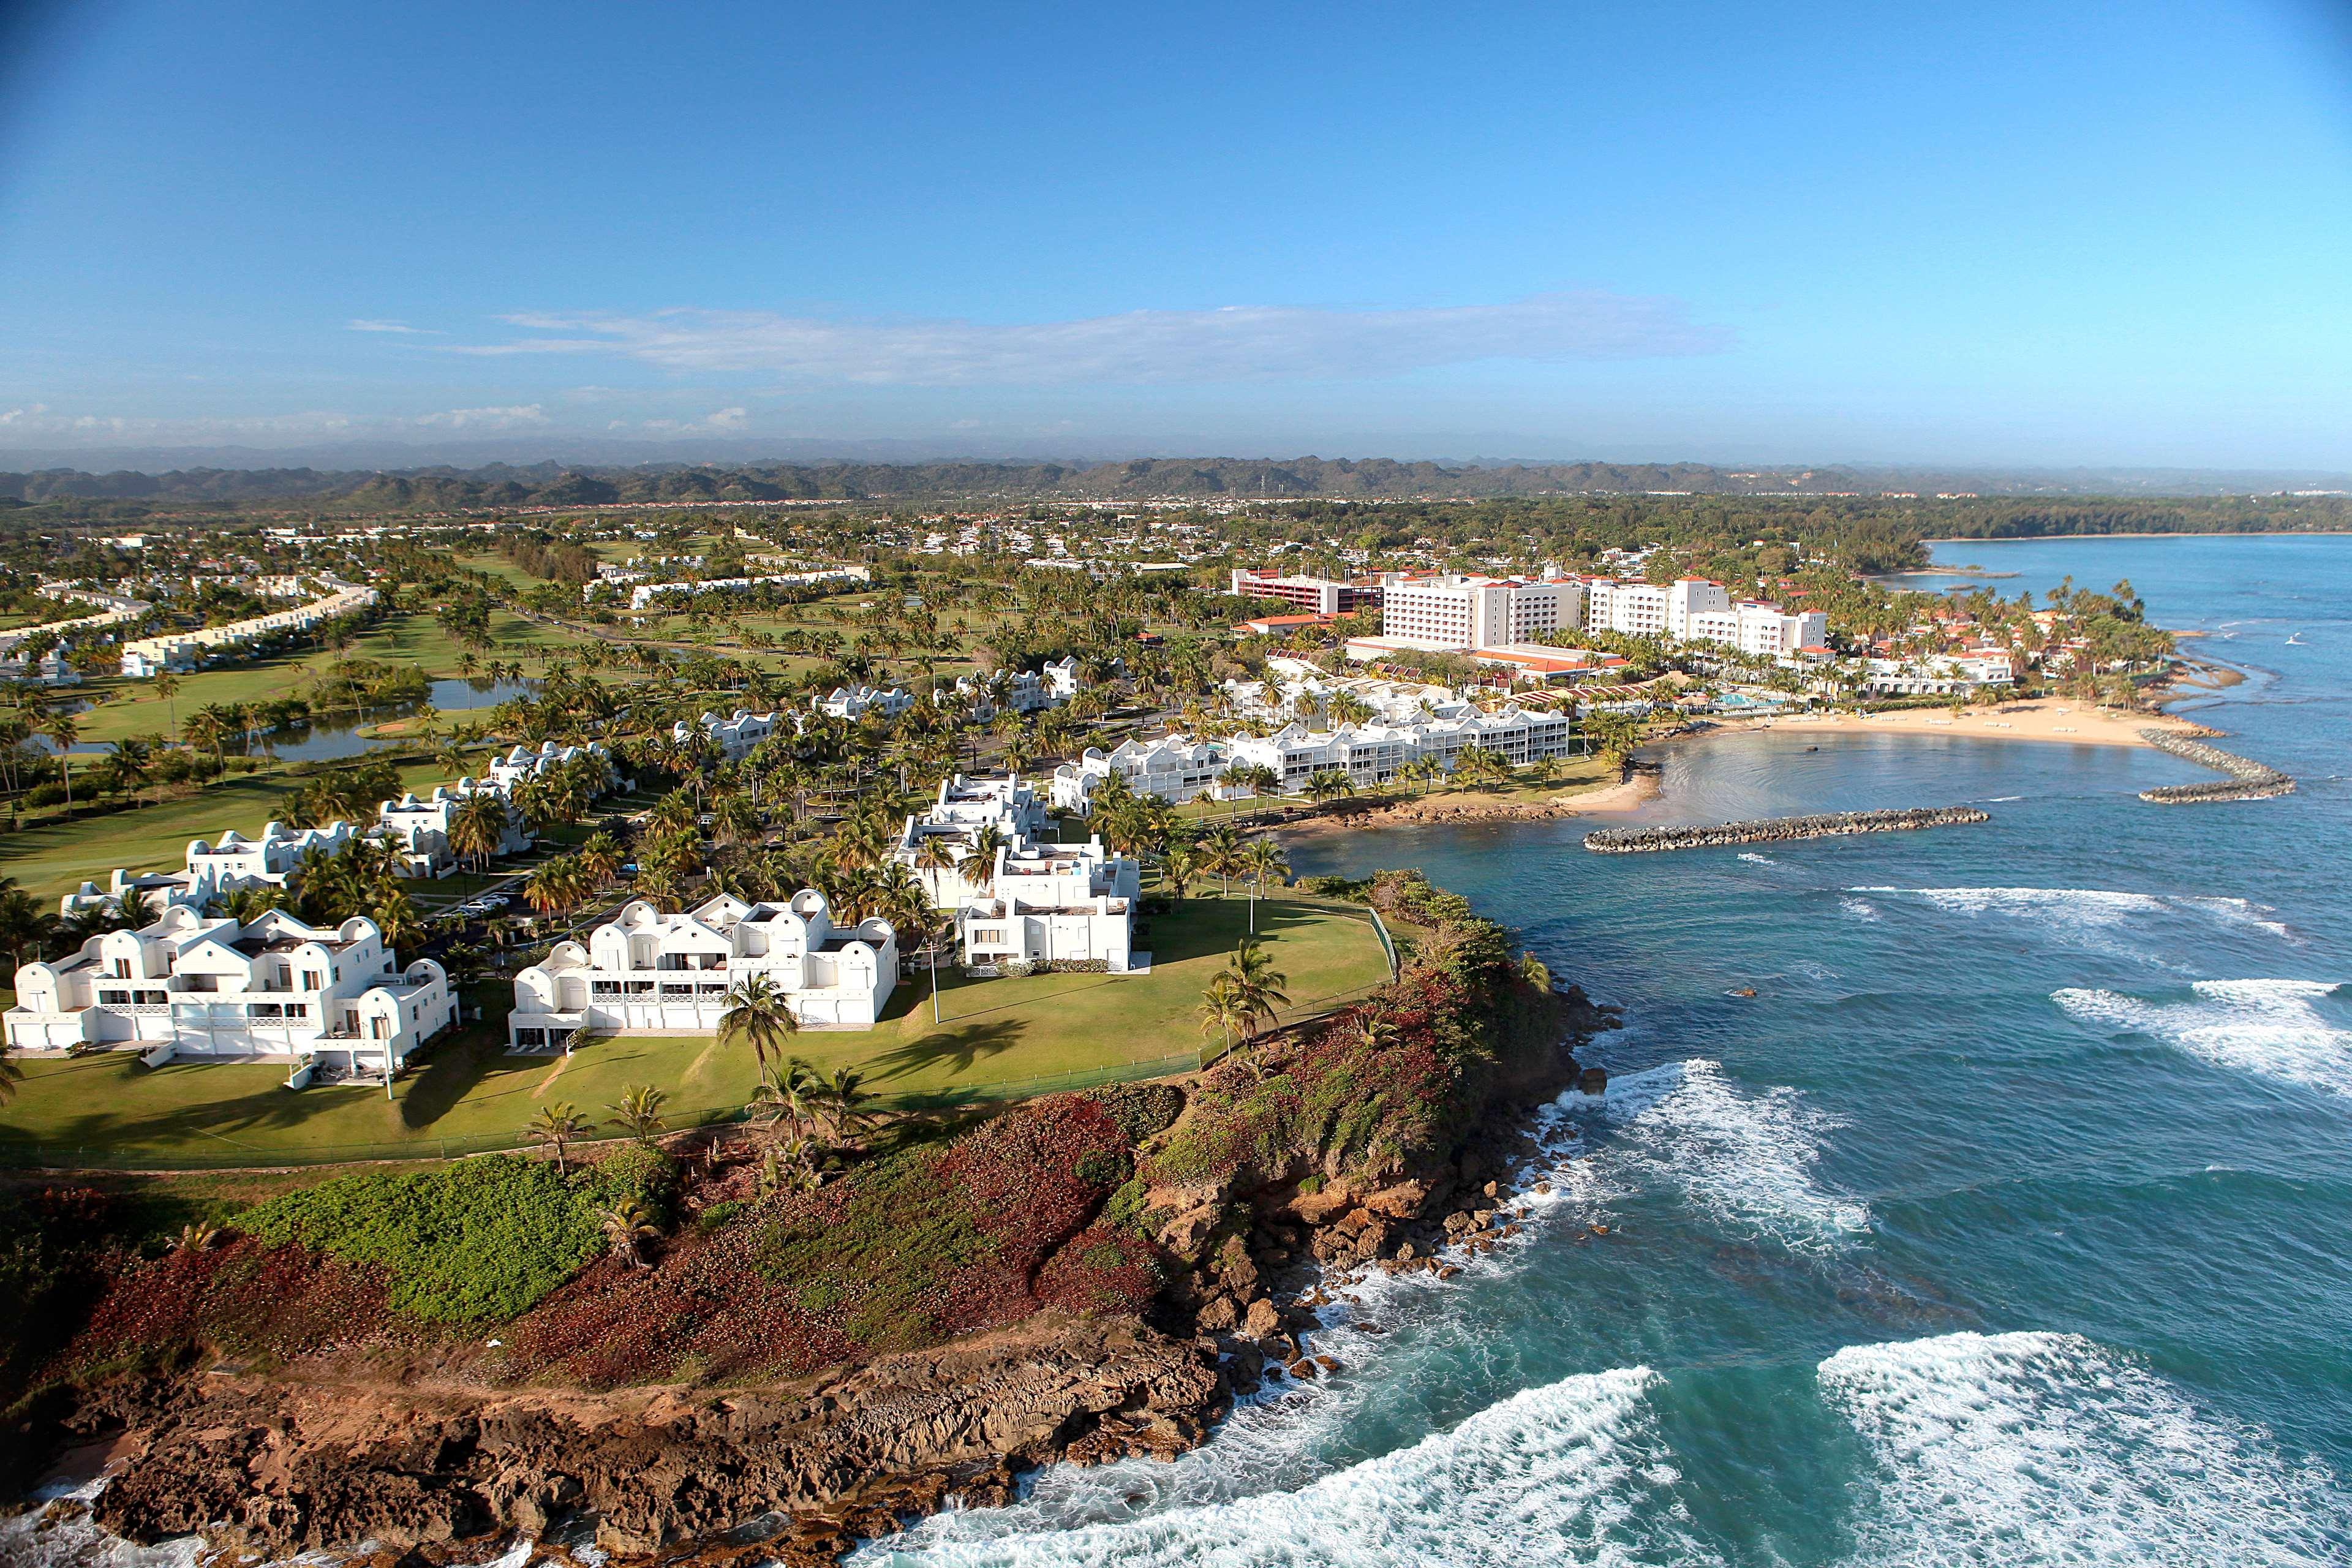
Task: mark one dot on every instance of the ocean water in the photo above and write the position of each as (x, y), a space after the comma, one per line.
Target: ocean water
(2005, 1225)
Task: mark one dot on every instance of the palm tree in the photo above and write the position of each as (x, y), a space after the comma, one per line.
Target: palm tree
(553, 885)
(638, 1111)
(478, 827)
(1221, 856)
(25, 925)
(62, 730)
(1222, 1011)
(601, 858)
(1257, 983)
(628, 1226)
(1180, 868)
(1262, 860)
(558, 1126)
(848, 1105)
(758, 1014)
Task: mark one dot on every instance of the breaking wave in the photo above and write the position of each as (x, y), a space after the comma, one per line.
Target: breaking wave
(2091, 917)
(1746, 1157)
(2025, 1449)
(2270, 1027)
(1574, 1472)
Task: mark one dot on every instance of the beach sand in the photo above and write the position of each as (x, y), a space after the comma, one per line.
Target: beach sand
(2044, 719)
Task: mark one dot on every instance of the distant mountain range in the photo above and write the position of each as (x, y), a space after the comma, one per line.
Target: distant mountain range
(553, 484)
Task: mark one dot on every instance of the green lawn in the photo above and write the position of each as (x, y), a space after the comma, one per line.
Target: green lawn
(57, 856)
(134, 709)
(998, 1037)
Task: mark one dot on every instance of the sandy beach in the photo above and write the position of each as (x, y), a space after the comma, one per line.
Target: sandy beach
(2045, 719)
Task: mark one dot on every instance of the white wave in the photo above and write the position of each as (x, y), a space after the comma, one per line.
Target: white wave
(1746, 1157)
(1755, 860)
(2269, 1027)
(2026, 1448)
(1574, 1472)
(2086, 911)
(1860, 909)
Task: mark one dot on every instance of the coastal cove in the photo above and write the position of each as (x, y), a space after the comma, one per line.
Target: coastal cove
(1992, 1227)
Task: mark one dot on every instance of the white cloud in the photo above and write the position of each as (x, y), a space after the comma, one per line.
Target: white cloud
(38, 421)
(719, 420)
(18, 415)
(1246, 342)
(506, 418)
(362, 324)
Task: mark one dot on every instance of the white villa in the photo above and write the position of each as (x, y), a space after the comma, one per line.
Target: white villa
(1057, 903)
(646, 973)
(521, 762)
(421, 827)
(734, 735)
(965, 806)
(191, 985)
(1174, 768)
(855, 701)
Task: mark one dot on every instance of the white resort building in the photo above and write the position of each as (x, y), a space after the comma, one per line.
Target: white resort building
(1175, 767)
(1052, 903)
(646, 973)
(966, 806)
(190, 986)
(857, 702)
(734, 735)
(186, 651)
(421, 827)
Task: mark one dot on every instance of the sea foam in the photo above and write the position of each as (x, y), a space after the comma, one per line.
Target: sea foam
(2271, 1028)
(2092, 917)
(1744, 1156)
(1574, 1471)
(2025, 1449)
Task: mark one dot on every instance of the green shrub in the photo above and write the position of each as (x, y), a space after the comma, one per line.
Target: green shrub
(638, 1170)
(478, 1241)
(719, 1213)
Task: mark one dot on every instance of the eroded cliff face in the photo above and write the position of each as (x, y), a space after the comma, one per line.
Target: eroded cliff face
(306, 1459)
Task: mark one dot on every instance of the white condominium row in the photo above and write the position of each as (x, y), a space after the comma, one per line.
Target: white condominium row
(185, 650)
(418, 827)
(645, 972)
(645, 594)
(1179, 769)
(189, 985)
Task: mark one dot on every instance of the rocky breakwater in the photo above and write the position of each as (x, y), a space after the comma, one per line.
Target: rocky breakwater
(1778, 829)
(2247, 780)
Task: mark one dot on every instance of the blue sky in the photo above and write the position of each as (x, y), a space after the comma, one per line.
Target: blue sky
(2001, 234)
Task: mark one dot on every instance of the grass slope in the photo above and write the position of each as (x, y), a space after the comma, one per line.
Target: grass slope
(1023, 1034)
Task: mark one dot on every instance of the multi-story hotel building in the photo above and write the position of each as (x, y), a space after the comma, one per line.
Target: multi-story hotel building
(1321, 595)
(1462, 612)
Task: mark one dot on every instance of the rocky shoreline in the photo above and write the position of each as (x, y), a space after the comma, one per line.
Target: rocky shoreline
(2248, 779)
(1777, 829)
(393, 1453)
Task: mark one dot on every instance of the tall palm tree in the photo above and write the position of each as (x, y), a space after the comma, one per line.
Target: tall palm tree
(62, 730)
(761, 1015)
(601, 858)
(478, 827)
(1257, 983)
(1221, 856)
(1223, 1010)
(1261, 861)
(558, 1126)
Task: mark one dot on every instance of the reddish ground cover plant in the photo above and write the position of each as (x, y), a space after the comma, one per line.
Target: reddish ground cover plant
(977, 1233)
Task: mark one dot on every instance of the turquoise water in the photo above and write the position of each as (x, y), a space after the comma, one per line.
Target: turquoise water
(2004, 1225)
